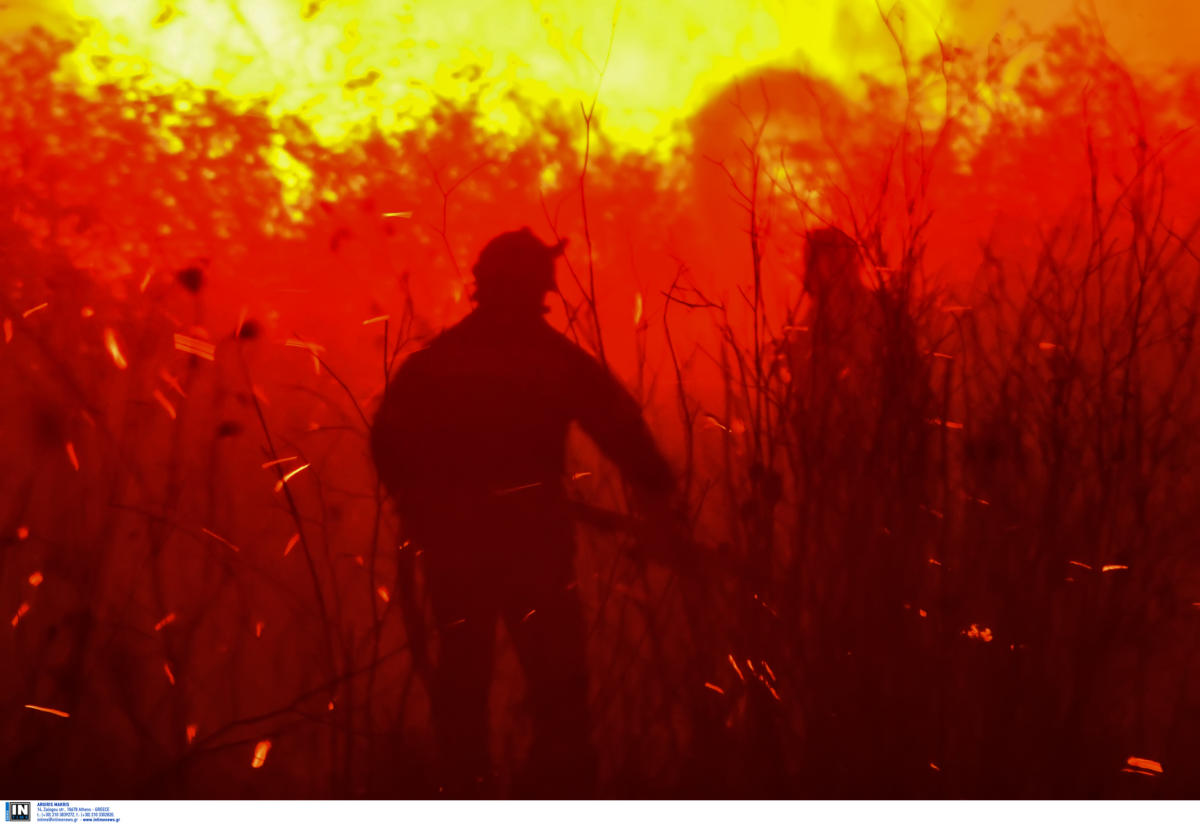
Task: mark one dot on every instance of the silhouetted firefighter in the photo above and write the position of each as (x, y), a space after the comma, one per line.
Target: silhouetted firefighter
(471, 443)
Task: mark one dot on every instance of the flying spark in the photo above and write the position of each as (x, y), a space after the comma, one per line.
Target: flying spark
(59, 713)
(21, 612)
(165, 404)
(114, 349)
(279, 484)
(195, 346)
(212, 534)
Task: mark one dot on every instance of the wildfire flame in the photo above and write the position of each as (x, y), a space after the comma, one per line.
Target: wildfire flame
(652, 64)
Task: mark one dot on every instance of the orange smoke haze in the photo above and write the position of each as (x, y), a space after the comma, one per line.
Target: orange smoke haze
(224, 224)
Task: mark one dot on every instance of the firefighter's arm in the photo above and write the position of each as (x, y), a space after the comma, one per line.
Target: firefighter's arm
(611, 417)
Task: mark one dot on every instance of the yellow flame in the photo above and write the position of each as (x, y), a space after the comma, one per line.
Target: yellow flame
(650, 63)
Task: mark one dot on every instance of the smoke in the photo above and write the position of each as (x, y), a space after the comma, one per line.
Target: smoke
(1146, 33)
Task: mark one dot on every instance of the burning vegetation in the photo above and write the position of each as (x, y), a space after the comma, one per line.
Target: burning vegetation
(918, 345)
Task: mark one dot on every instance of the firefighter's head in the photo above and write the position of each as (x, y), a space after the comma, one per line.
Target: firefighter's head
(515, 270)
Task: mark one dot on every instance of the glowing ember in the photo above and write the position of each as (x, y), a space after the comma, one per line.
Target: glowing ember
(295, 539)
(110, 343)
(279, 484)
(21, 612)
(978, 633)
(258, 628)
(214, 535)
(36, 579)
(733, 663)
(1113, 567)
(22, 533)
(170, 675)
(260, 753)
(59, 713)
(169, 618)
(173, 382)
(714, 687)
(1143, 766)
(71, 455)
(383, 594)
(165, 404)
(191, 733)
(195, 346)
